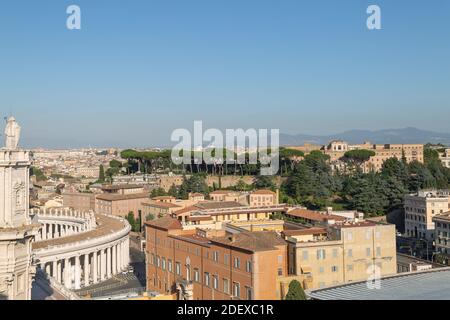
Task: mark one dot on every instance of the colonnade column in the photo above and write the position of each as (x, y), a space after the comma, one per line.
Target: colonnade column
(77, 273)
(114, 259)
(67, 281)
(102, 265)
(86, 270)
(108, 262)
(94, 267)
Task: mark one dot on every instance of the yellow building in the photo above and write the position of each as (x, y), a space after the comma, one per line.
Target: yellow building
(420, 209)
(343, 252)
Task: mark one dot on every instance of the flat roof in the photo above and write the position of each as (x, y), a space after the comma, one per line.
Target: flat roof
(432, 284)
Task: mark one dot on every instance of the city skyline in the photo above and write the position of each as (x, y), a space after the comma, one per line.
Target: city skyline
(304, 68)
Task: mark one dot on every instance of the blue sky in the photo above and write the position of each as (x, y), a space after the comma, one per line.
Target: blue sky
(140, 69)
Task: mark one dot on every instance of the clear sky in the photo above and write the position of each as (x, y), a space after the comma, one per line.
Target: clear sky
(139, 69)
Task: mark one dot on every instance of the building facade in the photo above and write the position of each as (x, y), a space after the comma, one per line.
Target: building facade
(343, 253)
(214, 265)
(420, 208)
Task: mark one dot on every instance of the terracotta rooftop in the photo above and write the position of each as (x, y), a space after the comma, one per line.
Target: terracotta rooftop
(205, 205)
(313, 215)
(187, 210)
(116, 197)
(263, 191)
(166, 223)
(251, 241)
(160, 204)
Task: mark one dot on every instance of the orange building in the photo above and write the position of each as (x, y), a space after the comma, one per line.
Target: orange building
(205, 264)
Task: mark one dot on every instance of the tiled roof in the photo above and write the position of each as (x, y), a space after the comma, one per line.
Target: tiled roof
(313, 215)
(251, 241)
(115, 197)
(263, 191)
(166, 223)
(160, 204)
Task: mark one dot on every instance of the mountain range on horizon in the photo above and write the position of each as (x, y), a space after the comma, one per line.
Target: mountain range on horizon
(409, 135)
(354, 136)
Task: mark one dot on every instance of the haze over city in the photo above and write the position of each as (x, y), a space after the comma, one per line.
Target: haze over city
(134, 73)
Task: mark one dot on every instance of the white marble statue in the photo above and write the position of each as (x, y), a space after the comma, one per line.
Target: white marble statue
(12, 134)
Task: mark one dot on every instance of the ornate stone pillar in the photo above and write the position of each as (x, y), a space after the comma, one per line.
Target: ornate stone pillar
(108, 262)
(119, 257)
(54, 269)
(86, 270)
(67, 281)
(58, 271)
(77, 273)
(94, 267)
(114, 259)
(102, 265)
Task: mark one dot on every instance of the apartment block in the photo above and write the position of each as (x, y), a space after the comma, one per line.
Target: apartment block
(420, 208)
(206, 264)
(342, 252)
(442, 232)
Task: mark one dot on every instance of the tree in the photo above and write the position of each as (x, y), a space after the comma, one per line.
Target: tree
(358, 157)
(158, 192)
(296, 291)
(264, 182)
(101, 175)
(131, 220)
(149, 217)
(173, 191)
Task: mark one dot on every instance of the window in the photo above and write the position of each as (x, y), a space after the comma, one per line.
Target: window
(237, 263)
(196, 275)
(169, 265)
(349, 236)
(350, 253)
(215, 282)
(349, 267)
(249, 293)
(334, 269)
(368, 252)
(248, 266)
(226, 288)
(280, 271)
(321, 270)
(163, 263)
(378, 251)
(236, 289)
(305, 255)
(226, 259)
(207, 279)
(158, 261)
(216, 256)
(368, 235)
(178, 268)
(335, 253)
(152, 258)
(321, 254)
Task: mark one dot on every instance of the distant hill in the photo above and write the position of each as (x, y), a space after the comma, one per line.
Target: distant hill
(406, 135)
